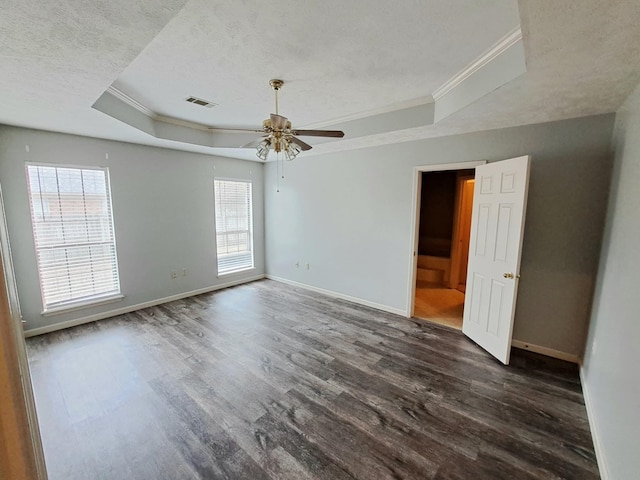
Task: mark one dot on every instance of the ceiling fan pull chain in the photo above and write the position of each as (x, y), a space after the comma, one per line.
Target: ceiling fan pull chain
(277, 172)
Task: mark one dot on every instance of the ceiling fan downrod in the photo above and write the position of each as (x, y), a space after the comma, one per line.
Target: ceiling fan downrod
(276, 84)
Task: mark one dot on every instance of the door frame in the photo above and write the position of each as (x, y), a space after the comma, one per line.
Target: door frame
(34, 459)
(415, 223)
(458, 223)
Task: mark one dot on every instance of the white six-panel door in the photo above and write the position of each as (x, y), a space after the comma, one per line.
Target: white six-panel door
(499, 203)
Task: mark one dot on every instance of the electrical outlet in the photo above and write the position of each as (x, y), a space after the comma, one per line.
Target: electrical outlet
(174, 274)
(307, 266)
(297, 264)
(184, 272)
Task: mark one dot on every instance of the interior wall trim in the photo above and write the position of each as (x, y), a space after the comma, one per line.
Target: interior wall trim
(132, 308)
(549, 352)
(120, 95)
(331, 293)
(132, 102)
(487, 57)
(593, 426)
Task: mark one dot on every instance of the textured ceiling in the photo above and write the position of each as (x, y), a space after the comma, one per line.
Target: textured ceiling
(583, 58)
(338, 58)
(57, 57)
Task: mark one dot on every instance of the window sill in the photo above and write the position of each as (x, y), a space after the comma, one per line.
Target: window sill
(71, 306)
(233, 272)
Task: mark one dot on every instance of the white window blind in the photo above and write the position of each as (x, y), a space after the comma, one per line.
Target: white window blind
(73, 233)
(234, 225)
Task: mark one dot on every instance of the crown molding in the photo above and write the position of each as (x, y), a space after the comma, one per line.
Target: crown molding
(488, 56)
(123, 97)
(132, 102)
(491, 54)
(183, 123)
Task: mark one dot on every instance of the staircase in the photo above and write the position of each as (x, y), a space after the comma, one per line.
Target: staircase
(433, 269)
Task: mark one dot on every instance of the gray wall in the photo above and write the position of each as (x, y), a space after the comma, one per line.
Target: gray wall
(611, 378)
(348, 215)
(163, 215)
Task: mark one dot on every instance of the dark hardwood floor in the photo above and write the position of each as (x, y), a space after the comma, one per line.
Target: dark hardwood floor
(266, 381)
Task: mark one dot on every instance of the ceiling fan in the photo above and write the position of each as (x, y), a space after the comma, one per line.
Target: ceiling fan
(278, 135)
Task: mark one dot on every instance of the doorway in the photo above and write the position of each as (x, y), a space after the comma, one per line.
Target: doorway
(444, 203)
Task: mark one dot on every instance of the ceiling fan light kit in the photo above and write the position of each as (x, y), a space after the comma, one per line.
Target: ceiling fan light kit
(262, 150)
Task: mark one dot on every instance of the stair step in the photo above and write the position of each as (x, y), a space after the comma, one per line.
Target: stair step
(430, 275)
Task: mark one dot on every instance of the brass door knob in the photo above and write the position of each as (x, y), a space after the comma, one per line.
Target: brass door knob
(508, 275)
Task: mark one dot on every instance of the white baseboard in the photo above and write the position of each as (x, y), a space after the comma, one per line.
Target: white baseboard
(593, 426)
(550, 352)
(330, 293)
(602, 464)
(132, 308)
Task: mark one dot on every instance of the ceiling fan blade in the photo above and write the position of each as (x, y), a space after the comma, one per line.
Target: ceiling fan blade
(319, 133)
(253, 143)
(278, 122)
(304, 146)
(234, 130)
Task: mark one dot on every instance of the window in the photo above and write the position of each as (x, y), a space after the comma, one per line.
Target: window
(73, 233)
(234, 225)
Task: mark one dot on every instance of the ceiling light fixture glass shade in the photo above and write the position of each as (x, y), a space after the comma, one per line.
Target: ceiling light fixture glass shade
(262, 150)
(292, 150)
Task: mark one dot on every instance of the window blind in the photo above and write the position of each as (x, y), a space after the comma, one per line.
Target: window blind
(73, 232)
(234, 225)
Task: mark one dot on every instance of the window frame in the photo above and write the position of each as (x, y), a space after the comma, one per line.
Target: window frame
(250, 229)
(86, 301)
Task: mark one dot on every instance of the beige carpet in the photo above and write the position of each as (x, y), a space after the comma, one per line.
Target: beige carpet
(439, 304)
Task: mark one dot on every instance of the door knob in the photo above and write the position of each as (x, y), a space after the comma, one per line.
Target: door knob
(510, 275)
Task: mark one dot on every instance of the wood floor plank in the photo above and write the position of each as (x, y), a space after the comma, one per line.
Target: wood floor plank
(299, 445)
(269, 381)
(228, 455)
(357, 452)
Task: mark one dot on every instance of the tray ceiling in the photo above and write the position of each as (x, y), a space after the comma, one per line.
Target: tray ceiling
(340, 60)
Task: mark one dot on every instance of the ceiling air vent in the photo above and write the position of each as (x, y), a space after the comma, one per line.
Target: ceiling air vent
(201, 102)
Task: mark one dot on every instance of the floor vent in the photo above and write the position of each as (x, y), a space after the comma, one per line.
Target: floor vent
(201, 102)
